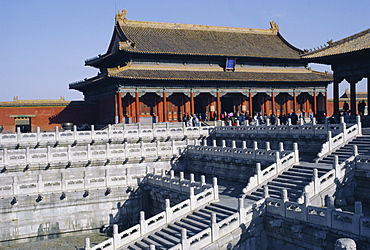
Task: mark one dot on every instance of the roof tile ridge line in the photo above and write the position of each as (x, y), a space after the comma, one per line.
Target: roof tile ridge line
(339, 42)
(148, 24)
(350, 38)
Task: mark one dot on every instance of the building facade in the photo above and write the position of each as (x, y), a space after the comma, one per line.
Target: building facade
(158, 72)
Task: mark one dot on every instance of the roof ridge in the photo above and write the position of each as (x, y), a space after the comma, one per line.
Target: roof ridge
(349, 38)
(122, 20)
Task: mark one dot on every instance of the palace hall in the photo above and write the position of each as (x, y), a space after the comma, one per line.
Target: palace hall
(159, 72)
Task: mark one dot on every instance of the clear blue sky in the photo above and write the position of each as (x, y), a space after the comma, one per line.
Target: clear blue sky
(44, 43)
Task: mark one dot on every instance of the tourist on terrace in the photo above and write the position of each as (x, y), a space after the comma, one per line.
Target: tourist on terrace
(345, 106)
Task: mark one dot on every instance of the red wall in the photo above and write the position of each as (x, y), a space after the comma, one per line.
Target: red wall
(46, 117)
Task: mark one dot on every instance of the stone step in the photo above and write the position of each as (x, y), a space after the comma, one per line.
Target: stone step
(168, 237)
(307, 171)
(142, 245)
(277, 193)
(194, 222)
(150, 241)
(188, 227)
(233, 210)
(134, 247)
(173, 233)
(199, 218)
(220, 210)
(161, 241)
(279, 183)
(219, 216)
(292, 181)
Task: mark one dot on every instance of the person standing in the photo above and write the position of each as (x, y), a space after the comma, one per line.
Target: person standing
(345, 106)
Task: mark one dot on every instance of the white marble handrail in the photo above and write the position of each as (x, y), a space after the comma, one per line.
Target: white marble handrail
(155, 222)
(355, 223)
(84, 154)
(338, 171)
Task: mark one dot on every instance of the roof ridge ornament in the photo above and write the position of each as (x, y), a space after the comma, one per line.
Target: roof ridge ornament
(274, 26)
(121, 15)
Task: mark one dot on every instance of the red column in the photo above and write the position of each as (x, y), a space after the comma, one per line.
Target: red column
(314, 103)
(250, 104)
(287, 105)
(218, 104)
(137, 107)
(119, 107)
(294, 102)
(164, 107)
(273, 102)
(191, 103)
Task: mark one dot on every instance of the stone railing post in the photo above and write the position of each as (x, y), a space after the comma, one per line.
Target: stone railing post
(244, 144)
(356, 217)
(329, 210)
(168, 211)
(143, 227)
(19, 135)
(205, 142)
(181, 176)
(191, 177)
(92, 132)
(152, 247)
(214, 227)
(289, 122)
(359, 125)
(281, 146)
(296, 152)
(313, 121)
(316, 181)
(192, 199)
(259, 173)
(336, 167)
(266, 192)
(230, 124)
(255, 145)
(233, 144)
(237, 123)
(306, 203)
(246, 123)
(278, 162)
(223, 143)
(116, 240)
(268, 146)
(56, 134)
(355, 150)
(215, 189)
(15, 186)
(184, 239)
(214, 143)
(202, 181)
(5, 157)
(277, 122)
(241, 210)
(40, 184)
(330, 140)
(38, 136)
(284, 194)
(28, 156)
(69, 153)
(87, 244)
